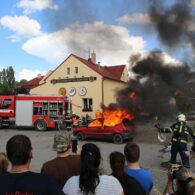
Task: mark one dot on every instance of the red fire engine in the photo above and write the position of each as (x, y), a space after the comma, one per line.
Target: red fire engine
(38, 111)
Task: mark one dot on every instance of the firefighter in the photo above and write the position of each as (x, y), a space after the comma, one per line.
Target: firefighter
(68, 121)
(180, 132)
(75, 119)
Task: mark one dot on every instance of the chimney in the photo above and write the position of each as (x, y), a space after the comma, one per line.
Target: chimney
(39, 75)
(93, 57)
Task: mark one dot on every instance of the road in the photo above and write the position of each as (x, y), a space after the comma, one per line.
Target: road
(150, 156)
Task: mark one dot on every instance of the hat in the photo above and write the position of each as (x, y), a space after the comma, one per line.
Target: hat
(61, 142)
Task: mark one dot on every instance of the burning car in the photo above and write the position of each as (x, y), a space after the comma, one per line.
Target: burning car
(116, 125)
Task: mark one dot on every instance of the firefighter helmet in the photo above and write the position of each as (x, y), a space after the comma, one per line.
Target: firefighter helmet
(181, 118)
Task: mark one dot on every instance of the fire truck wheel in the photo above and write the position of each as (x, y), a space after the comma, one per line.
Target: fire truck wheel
(118, 139)
(40, 125)
(80, 136)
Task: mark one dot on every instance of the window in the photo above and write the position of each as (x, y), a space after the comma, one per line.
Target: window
(7, 103)
(87, 104)
(68, 70)
(76, 70)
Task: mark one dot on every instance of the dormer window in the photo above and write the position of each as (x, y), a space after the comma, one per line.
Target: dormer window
(76, 70)
(68, 71)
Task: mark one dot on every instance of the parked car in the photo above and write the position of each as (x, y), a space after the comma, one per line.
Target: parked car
(117, 133)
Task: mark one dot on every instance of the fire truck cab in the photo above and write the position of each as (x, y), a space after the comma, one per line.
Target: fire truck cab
(37, 111)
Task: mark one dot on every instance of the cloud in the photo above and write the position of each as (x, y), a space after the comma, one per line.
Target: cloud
(22, 26)
(112, 43)
(34, 5)
(28, 74)
(136, 18)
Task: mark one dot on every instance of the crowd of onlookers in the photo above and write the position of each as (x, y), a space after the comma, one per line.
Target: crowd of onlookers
(80, 173)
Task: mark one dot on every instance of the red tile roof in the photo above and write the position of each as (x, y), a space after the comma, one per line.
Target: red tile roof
(116, 70)
(111, 72)
(32, 83)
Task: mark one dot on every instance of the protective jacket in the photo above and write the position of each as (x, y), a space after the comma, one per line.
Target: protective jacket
(68, 122)
(180, 132)
(179, 141)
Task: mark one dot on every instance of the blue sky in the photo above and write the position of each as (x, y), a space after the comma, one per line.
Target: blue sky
(37, 35)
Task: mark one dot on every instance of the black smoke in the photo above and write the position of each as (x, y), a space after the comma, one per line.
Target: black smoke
(162, 89)
(173, 22)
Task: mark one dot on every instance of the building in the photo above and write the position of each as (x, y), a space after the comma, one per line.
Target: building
(86, 84)
(25, 87)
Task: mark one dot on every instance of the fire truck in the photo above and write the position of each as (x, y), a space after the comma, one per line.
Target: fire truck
(37, 111)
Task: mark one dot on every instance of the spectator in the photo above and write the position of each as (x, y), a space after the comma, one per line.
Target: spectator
(129, 184)
(192, 151)
(84, 122)
(4, 163)
(90, 181)
(88, 118)
(75, 119)
(64, 165)
(185, 183)
(20, 180)
(143, 176)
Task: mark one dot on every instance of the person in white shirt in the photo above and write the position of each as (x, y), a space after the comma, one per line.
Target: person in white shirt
(90, 181)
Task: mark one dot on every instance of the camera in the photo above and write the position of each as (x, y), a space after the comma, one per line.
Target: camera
(74, 144)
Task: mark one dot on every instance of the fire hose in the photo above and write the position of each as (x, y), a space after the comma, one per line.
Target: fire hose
(161, 136)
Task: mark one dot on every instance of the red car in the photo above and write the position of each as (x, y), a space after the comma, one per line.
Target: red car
(117, 133)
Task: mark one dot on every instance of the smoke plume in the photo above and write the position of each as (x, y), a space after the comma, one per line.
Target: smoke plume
(173, 23)
(161, 89)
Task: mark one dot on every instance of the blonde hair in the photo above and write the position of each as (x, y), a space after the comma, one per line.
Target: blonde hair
(4, 163)
(186, 183)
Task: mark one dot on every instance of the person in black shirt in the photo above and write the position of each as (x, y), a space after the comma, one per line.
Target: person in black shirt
(20, 180)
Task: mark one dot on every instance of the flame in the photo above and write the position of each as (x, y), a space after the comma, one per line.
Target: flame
(110, 117)
(132, 95)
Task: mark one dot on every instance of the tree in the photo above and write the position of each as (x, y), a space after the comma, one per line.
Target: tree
(10, 77)
(18, 83)
(20, 89)
(7, 81)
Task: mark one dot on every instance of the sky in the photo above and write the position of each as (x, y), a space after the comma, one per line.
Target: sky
(37, 35)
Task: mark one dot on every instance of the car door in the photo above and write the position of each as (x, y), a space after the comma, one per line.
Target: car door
(92, 132)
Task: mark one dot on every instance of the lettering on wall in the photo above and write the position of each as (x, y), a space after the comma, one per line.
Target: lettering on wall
(67, 80)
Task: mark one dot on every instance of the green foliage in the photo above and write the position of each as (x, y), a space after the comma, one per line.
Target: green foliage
(18, 83)
(7, 81)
